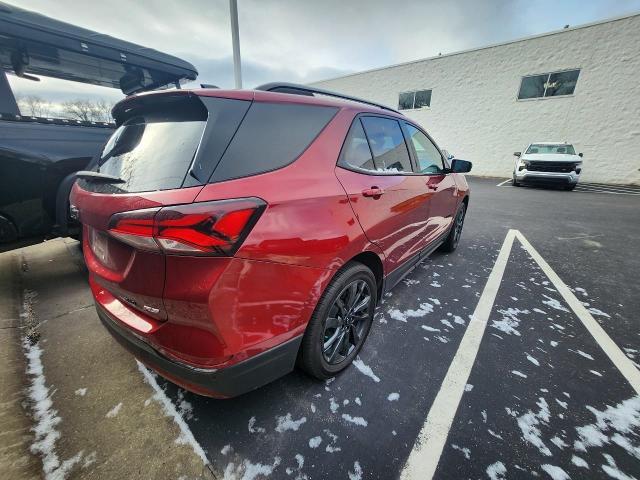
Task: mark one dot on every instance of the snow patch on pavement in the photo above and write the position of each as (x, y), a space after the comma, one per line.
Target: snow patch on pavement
(496, 471)
(615, 424)
(595, 311)
(430, 329)
(331, 445)
(553, 303)
(402, 316)
(252, 426)
(556, 473)
(529, 422)
(249, 471)
(579, 462)
(510, 321)
(533, 360)
(393, 396)
(315, 442)
(357, 472)
(465, 451)
(284, 423)
(357, 420)
(114, 411)
(186, 437)
(365, 369)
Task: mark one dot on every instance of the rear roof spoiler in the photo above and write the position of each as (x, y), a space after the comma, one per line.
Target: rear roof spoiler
(33, 44)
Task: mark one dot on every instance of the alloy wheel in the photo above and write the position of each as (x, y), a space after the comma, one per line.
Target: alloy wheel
(347, 321)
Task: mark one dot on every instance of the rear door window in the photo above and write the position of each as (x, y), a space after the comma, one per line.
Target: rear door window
(387, 144)
(271, 136)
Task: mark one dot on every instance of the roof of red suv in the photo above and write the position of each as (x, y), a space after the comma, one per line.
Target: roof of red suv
(266, 96)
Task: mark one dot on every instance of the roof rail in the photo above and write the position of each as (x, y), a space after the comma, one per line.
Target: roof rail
(297, 89)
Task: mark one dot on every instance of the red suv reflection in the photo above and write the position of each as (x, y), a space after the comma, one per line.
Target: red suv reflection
(231, 234)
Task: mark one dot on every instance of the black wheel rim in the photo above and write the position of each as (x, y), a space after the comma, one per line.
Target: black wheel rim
(347, 321)
(457, 228)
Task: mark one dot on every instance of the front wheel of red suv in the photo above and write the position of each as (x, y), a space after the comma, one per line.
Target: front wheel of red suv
(340, 323)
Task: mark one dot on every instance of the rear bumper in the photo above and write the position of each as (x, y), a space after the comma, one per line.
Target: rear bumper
(227, 382)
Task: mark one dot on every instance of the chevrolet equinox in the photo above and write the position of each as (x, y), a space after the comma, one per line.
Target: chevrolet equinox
(232, 234)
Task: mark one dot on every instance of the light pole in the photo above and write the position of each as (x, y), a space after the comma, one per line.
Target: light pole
(235, 37)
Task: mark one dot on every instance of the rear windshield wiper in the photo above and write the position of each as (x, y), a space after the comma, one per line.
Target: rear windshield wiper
(98, 177)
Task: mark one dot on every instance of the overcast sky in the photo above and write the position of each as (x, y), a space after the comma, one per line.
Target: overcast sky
(304, 40)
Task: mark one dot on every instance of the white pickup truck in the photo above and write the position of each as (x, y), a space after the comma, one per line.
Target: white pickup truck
(553, 163)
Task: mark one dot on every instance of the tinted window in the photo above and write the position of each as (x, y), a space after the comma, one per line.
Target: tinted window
(167, 142)
(548, 85)
(532, 87)
(423, 99)
(271, 136)
(356, 152)
(429, 158)
(415, 99)
(148, 155)
(562, 83)
(405, 100)
(387, 144)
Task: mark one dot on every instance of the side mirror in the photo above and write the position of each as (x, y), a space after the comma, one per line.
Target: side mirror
(460, 166)
(517, 154)
(580, 154)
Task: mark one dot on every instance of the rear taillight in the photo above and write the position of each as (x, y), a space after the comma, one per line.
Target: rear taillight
(208, 228)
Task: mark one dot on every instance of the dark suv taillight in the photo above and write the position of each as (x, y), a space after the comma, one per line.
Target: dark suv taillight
(209, 228)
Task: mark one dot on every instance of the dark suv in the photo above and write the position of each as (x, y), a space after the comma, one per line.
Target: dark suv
(231, 234)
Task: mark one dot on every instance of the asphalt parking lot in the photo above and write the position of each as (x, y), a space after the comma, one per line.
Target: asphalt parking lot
(547, 394)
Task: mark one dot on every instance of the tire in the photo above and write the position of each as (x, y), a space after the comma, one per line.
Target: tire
(451, 243)
(514, 182)
(570, 187)
(324, 350)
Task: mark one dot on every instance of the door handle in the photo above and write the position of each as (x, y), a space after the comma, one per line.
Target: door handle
(374, 192)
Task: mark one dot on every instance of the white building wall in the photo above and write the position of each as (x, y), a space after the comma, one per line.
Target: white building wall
(475, 115)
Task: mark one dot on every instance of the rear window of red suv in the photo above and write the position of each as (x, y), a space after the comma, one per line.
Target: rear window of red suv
(174, 143)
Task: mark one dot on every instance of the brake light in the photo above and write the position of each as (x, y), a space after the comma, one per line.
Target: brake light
(135, 228)
(208, 228)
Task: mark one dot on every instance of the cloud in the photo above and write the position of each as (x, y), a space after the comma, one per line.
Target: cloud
(303, 41)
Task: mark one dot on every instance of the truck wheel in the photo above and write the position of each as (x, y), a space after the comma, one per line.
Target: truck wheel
(340, 323)
(8, 232)
(514, 182)
(570, 187)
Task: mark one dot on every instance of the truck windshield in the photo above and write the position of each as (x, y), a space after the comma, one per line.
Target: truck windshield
(546, 148)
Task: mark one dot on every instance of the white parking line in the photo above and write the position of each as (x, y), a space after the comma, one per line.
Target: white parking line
(615, 354)
(424, 457)
(427, 450)
(502, 183)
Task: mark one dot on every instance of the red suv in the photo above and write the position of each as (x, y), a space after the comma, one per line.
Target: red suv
(232, 234)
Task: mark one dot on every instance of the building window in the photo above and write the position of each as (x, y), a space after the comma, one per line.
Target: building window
(546, 85)
(415, 99)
